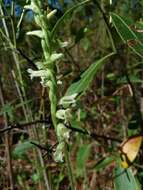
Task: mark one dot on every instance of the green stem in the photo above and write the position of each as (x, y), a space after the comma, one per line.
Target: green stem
(71, 177)
(16, 61)
(45, 42)
(53, 101)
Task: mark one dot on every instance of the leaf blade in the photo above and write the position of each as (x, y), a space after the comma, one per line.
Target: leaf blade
(125, 180)
(127, 34)
(87, 77)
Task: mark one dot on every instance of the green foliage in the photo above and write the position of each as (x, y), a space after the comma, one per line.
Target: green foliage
(8, 109)
(81, 158)
(103, 163)
(21, 149)
(124, 179)
(89, 37)
(35, 177)
(129, 36)
(86, 78)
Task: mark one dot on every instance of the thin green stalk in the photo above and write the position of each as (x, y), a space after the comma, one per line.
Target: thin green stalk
(46, 174)
(19, 93)
(70, 173)
(16, 60)
(12, 24)
(20, 21)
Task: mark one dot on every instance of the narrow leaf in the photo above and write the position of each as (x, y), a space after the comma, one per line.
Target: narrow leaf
(21, 148)
(87, 77)
(124, 179)
(103, 163)
(127, 34)
(82, 156)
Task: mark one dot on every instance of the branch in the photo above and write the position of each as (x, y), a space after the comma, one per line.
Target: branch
(107, 24)
(20, 126)
(137, 105)
(94, 136)
(27, 58)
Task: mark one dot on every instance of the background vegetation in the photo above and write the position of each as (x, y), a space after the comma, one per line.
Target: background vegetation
(70, 93)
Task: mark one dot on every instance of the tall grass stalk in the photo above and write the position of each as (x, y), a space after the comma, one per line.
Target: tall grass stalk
(7, 145)
(69, 168)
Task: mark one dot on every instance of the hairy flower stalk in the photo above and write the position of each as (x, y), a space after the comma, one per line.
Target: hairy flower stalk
(46, 68)
(47, 72)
